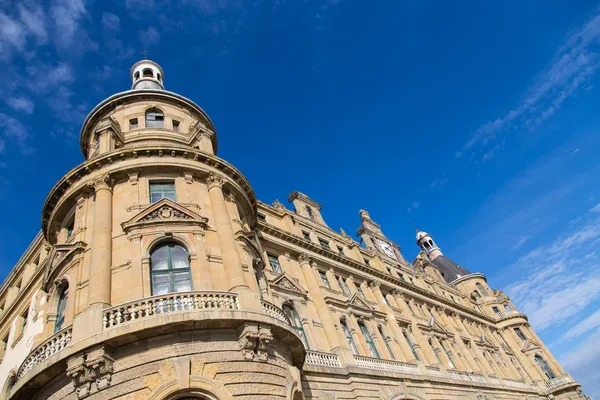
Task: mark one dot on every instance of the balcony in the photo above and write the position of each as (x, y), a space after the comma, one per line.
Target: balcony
(386, 365)
(55, 343)
(323, 359)
(553, 383)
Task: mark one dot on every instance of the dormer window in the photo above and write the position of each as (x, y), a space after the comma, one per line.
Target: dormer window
(176, 125)
(155, 118)
(147, 73)
(133, 123)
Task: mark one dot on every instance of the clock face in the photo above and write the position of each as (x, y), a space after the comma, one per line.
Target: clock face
(387, 249)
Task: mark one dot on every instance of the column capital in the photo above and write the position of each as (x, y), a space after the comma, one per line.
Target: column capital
(374, 284)
(105, 182)
(213, 180)
(304, 258)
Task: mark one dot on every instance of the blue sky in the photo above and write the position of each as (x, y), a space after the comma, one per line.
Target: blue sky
(479, 123)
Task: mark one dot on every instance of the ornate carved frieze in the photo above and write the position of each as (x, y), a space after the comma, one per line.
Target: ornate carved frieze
(91, 369)
(163, 212)
(254, 341)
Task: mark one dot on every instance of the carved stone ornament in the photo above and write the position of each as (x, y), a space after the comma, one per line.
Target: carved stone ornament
(303, 258)
(92, 368)
(103, 182)
(278, 206)
(165, 212)
(214, 180)
(254, 341)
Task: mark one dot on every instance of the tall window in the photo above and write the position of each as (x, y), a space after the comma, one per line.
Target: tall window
(496, 310)
(360, 291)
(482, 290)
(411, 345)
(274, 263)
(324, 244)
(544, 367)
(310, 213)
(450, 362)
(323, 276)
(162, 190)
(385, 299)
(296, 323)
(70, 228)
(306, 236)
(520, 334)
(170, 269)
(341, 284)
(349, 338)
(25, 317)
(369, 340)
(389, 349)
(411, 309)
(435, 352)
(346, 286)
(155, 118)
(61, 308)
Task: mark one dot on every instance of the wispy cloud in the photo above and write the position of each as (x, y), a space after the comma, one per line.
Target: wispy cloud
(413, 206)
(149, 36)
(570, 70)
(111, 22)
(12, 128)
(22, 104)
(596, 208)
(583, 363)
(588, 324)
(521, 242)
(439, 182)
(67, 15)
(561, 279)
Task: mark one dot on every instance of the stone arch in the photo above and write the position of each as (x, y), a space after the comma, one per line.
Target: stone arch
(294, 392)
(406, 396)
(199, 387)
(176, 238)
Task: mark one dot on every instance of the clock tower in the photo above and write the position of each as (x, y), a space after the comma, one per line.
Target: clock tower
(370, 232)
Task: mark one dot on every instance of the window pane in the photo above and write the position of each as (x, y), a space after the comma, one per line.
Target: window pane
(160, 284)
(179, 257)
(182, 282)
(159, 259)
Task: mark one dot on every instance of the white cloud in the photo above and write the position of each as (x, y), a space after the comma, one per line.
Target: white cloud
(413, 206)
(43, 78)
(439, 182)
(111, 22)
(521, 242)
(584, 362)
(20, 104)
(149, 36)
(35, 22)
(571, 68)
(590, 323)
(11, 33)
(596, 208)
(13, 129)
(67, 15)
(561, 279)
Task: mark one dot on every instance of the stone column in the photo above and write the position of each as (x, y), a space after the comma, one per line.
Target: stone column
(466, 353)
(392, 323)
(101, 249)
(229, 248)
(377, 340)
(437, 346)
(320, 305)
(427, 351)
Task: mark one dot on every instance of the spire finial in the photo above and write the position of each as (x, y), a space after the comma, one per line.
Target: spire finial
(146, 54)
(413, 224)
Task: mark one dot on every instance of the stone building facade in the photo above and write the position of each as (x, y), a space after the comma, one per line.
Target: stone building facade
(158, 275)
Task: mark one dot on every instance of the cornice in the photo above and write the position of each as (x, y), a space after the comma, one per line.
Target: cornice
(300, 242)
(115, 157)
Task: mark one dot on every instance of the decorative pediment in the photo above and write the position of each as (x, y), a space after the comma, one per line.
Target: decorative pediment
(60, 255)
(164, 211)
(357, 301)
(530, 345)
(287, 283)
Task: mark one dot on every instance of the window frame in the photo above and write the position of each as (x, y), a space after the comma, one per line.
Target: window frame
(154, 112)
(387, 345)
(296, 322)
(170, 271)
(175, 125)
(273, 259)
(324, 244)
(324, 279)
(349, 338)
(155, 183)
(520, 333)
(61, 308)
(369, 340)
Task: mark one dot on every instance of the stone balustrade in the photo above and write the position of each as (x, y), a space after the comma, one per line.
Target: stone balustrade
(273, 311)
(386, 365)
(504, 314)
(435, 371)
(558, 381)
(167, 304)
(46, 349)
(321, 358)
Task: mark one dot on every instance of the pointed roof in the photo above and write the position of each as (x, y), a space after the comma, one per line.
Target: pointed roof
(448, 268)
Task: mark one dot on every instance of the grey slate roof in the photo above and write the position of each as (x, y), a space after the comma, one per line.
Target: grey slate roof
(449, 269)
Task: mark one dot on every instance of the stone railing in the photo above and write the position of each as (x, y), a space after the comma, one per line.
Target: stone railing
(558, 381)
(504, 314)
(273, 311)
(169, 304)
(477, 378)
(386, 365)
(321, 358)
(434, 371)
(515, 383)
(45, 350)
(461, 375)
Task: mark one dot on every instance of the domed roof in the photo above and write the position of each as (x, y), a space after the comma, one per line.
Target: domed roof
(421, 235)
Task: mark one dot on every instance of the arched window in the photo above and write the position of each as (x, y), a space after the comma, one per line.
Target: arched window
(349, 338)
(380, 328)
(147, 73)
(507, 307)
(482, 289)
(310, 213)
(158, 76)
(61, 308)
(155, 118)
(296, 323)
(410, 344)
(544, 367)
(369, 340)
(170, 269)
(136, 75)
